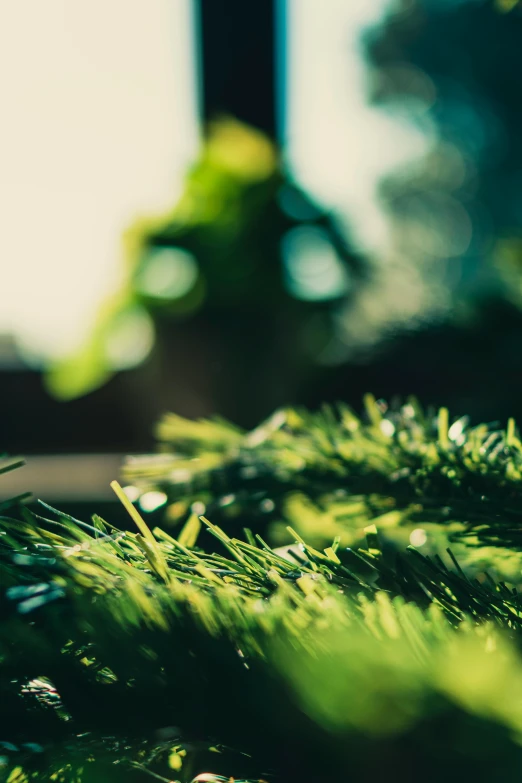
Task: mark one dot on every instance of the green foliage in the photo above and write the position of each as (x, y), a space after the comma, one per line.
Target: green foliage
(215, 252)
(333, 473)
(144, 655)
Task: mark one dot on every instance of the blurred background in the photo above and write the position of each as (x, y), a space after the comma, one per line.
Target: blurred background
(220, 207)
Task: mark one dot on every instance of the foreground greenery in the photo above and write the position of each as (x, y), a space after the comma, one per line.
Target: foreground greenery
(334, 473)
(150, 655)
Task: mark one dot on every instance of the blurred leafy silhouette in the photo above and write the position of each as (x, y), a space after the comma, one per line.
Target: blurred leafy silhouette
(452, 207)
(453, 69)
(245, 259)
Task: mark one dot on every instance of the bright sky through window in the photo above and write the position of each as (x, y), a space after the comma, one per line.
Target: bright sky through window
(338, 146)
(99, 121)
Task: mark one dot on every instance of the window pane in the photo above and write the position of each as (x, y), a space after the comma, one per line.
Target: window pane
(98, 125)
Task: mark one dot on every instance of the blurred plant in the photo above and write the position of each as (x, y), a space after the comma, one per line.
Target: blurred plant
(506, 5)
(450, 208)
(244, 251)
(442, 315)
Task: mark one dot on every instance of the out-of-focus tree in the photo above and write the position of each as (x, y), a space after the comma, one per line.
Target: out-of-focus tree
(232, 291)
(453, 68)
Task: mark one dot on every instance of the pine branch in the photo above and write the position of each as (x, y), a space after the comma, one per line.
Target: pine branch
(332, 473)
(110, 638)
(248, 650)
